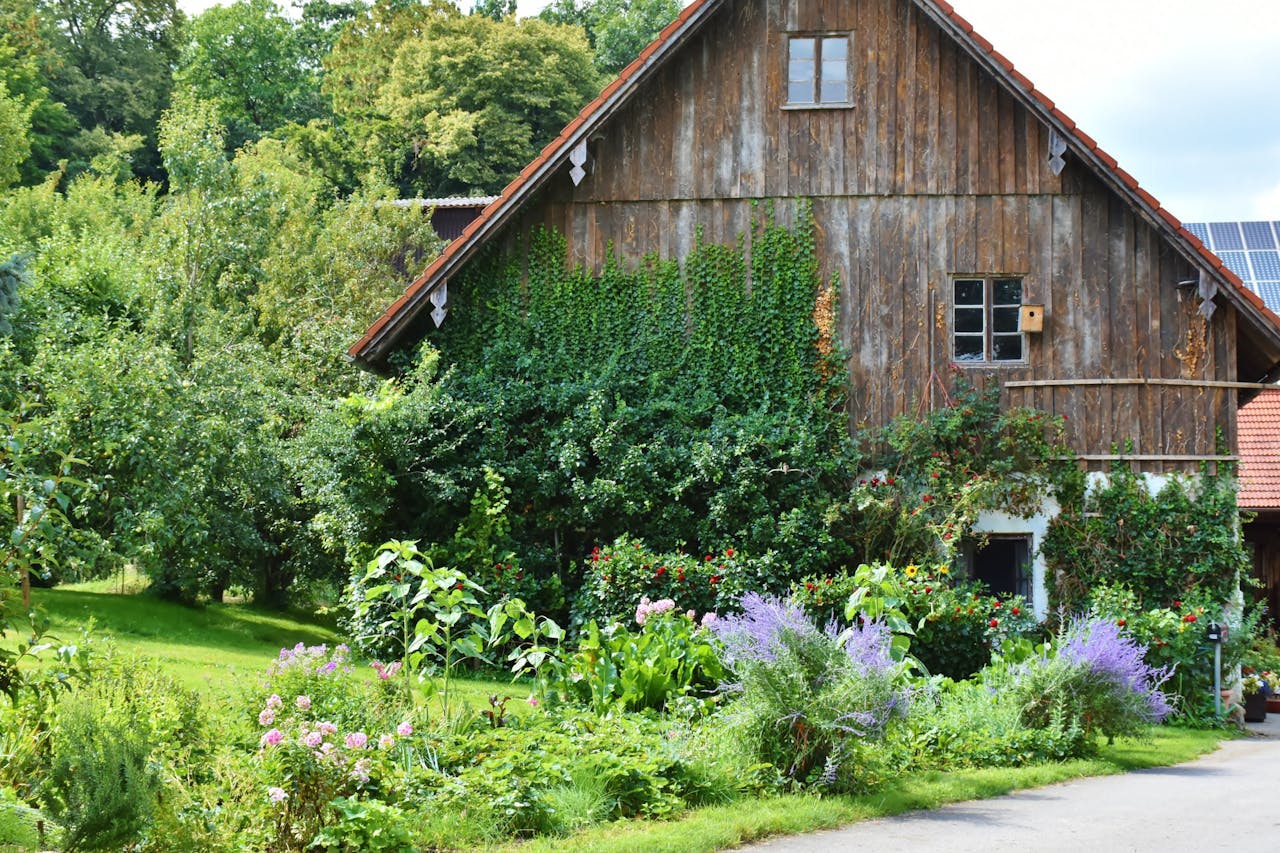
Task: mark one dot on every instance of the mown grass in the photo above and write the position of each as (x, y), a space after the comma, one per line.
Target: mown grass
(218, 650)
(720, 827)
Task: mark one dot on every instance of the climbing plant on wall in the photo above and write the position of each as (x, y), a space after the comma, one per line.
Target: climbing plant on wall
(694, 404)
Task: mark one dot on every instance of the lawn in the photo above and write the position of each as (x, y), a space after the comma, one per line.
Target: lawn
(215, 649)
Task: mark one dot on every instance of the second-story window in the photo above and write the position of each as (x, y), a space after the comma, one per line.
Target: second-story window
(818, 70)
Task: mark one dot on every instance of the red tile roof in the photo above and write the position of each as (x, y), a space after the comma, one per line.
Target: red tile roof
(1259, 438)
(382, 335)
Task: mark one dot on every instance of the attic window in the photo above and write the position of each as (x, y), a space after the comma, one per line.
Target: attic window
(818, 71)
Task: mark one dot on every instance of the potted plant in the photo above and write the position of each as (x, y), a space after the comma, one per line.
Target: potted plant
(1257, 687)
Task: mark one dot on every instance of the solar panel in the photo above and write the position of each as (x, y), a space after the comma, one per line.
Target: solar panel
(1237, 263)
(1266, 265)
(1269, 291)
(1226, 236)
(1257, 235)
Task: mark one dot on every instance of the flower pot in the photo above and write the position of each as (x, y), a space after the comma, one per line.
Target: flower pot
(1255, 708)
(1273, 704)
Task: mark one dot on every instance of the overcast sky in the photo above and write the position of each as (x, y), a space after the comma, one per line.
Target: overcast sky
(1184, 93)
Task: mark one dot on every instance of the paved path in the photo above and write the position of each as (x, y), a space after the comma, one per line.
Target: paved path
(1229, 800)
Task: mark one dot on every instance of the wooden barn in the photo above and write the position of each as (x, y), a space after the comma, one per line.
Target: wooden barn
(968, 220)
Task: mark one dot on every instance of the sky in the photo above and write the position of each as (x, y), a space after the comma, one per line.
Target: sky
(1185, 94)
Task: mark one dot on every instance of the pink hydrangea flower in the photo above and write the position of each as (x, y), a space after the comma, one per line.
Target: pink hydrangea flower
(272, 738)
(708, 619)
(313, 739)
(360, 771)
(277, 795)
(357, 740)
(266, 717)
(404, 729)
(327, 728)
(386, 741)
(274, 701)
(303, 703)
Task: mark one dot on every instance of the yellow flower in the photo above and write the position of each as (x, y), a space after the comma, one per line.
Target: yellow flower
(912, 570)
(944, 570)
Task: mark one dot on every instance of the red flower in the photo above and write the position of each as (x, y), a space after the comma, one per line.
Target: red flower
(1177, 605)
(708, 558)
(928, 589)
(809, 586)
(1120, 623)
(519, 576)
(934, 475)
(1017, 611)
(927, 498)
(996, 605)
(728, 552)
(595, 558)
(1190, 617)
(994, 623)
(662, 570)
(828, 581)
(890, 480)
(715, 579)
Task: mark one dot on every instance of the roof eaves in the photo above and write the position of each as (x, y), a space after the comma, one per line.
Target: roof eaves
(384, 332)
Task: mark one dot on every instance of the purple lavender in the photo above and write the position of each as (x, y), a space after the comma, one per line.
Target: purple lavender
(1101, 645)
(757, 634)
(868, 644)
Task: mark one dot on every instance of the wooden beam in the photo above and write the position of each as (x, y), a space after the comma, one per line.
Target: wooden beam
(1149, 457)
(1179, 383)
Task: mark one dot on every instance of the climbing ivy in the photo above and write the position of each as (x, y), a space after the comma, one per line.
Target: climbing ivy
(694, 404)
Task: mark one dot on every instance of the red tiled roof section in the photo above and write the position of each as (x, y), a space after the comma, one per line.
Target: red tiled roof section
(687, 19)
(1259, 437)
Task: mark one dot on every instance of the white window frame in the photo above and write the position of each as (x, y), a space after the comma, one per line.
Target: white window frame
(821, 43)
(988, 332)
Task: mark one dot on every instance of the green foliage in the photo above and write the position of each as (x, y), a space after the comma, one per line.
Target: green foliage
(15, 142)
(615, 668)
(452, 103)
(19, 823)
(101, 787)
(965, 725)
(936, 470)
(1164, 546)
(949, 627)
(113, 70)
(624, 571)
(617, 31)
(365, 825)
(253, 62)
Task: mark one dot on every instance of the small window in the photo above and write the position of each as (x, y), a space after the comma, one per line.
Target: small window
(986, 320)
(818, 70)
(1002, 564)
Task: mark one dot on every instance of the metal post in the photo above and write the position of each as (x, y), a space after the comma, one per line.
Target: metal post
(1217, 679)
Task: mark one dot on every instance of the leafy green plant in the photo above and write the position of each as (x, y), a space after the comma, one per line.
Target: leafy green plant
(362, 825)
(615, 668)
(101, 785)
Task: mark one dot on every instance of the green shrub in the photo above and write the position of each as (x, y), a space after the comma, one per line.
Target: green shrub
(811, 703)
(952, 626)
(102, 787)
(619, 574)
(20, 824)
(365, 826)
(670, 656)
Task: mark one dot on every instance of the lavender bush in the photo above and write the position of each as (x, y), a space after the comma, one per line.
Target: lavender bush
(810, 701)
(1098, 679)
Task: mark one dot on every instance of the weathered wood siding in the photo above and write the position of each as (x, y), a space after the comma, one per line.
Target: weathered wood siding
(935, 172)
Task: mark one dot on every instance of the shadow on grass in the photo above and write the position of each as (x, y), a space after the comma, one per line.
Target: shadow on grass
(227, 627)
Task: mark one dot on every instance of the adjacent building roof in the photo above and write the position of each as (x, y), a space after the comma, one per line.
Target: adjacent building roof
(1259, 326)
(1259, 437)
(1251, 250)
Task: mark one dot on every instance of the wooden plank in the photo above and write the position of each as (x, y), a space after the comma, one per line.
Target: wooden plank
(929, 130)
(988, 147)
(909, 131)
(1153, 382)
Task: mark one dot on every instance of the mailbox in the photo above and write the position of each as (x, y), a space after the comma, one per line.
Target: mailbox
(1215, 633)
